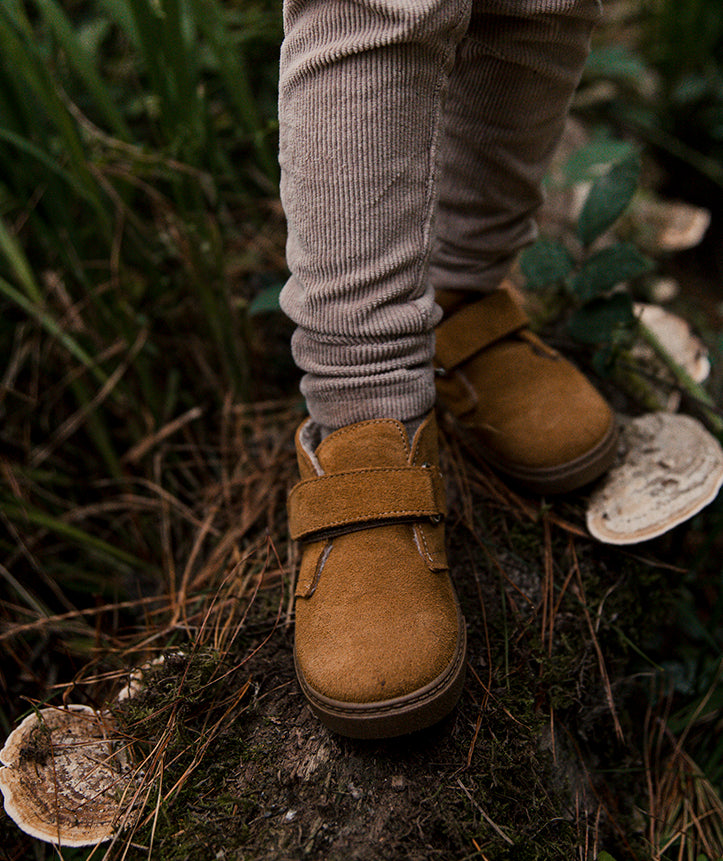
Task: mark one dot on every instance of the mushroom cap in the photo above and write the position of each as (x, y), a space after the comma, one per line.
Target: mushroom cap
(64, 777)
(676, 336)
(672, 225)
(683, 226)
(669, 468)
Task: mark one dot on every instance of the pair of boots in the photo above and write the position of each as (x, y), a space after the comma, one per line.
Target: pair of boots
(380, 640)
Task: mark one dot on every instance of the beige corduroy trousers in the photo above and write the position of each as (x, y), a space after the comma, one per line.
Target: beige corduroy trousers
(414, 136)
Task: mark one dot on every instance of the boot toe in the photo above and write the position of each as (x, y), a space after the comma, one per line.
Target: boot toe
(375, 644)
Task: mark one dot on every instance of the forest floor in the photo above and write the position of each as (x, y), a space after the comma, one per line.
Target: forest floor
(563, 745)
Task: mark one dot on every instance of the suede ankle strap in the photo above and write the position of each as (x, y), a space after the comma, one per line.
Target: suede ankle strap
(476, 326)
(336, 503)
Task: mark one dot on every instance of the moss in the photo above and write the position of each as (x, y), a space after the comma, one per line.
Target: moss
(273, 784)
(186, 711)
(38, 747)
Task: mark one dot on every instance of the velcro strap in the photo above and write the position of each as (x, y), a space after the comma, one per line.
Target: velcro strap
(468, 331)
(328, 504)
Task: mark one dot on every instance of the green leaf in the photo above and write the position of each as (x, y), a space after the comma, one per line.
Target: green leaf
(596, 322)
(605, 856)
(608, 198)
(615, 61)
(267, 300)
(619, 262)
(586, 163)
(603, 360)
(545, 263)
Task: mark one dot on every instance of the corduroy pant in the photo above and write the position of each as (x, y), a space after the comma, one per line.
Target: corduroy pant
(414, 136)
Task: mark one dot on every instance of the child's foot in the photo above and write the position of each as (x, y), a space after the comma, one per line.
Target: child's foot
(534, 416)
(380, 639)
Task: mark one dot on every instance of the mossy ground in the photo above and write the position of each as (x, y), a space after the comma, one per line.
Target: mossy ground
(547, 756)
(560, 747)
(529, 766)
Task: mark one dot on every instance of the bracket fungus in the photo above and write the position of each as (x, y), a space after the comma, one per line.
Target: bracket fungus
(666, 341)
(669, 468)
(65, 775)
(677, 339)
(670, 225)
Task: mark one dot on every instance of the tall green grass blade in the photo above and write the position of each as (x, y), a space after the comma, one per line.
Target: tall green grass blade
(47, 161)
(223, 330)
(52, 327)
(97, 430)
(21, 53)
(122, 14)
(102, 549)
(179, 35)
(77, 57)
(18, 262)
(234, 72)
(166, 46)
(23, 593)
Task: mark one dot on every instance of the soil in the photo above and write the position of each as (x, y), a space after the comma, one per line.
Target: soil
(549, 755)
(529, 766)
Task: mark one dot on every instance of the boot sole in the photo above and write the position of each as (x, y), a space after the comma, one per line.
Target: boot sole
(399, 716)
(563, 478)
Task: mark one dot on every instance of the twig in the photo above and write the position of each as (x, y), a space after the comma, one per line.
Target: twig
(145, 445)
(470, 752)
(484, 815)
(598, 651)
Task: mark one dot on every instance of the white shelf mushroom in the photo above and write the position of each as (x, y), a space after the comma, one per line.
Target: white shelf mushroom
(676, 337)
(676, 226)
(669, 468)
(64, 776)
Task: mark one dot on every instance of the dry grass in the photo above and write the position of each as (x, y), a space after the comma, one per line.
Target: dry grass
(230, 535)
(226, 588)
(685, 810)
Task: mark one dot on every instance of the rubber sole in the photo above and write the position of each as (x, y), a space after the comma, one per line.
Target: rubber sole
(399, 716)
(562, 478)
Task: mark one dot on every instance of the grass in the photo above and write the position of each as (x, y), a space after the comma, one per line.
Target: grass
(131, 147)
(144, 461)
(666, 73)
(224, 748)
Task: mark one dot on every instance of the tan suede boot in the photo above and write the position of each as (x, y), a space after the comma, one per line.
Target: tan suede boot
(380, 639)
(534, 416)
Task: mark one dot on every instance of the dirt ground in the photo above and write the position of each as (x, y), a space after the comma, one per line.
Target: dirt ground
(542, 759)
(559, 748)
(552, 753)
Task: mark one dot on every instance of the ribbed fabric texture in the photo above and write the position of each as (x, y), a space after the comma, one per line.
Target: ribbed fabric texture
(409, 131)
